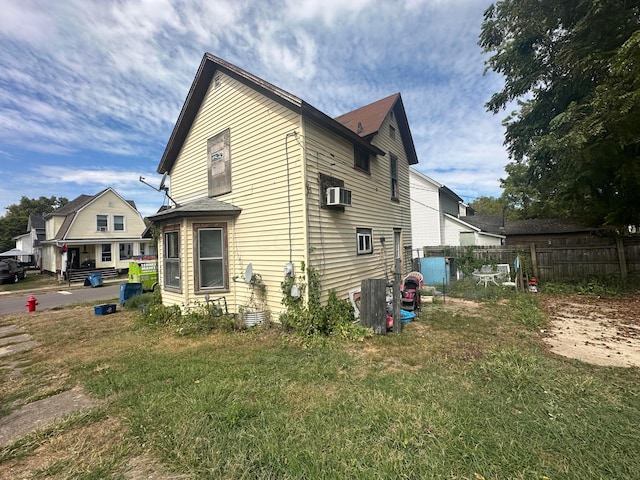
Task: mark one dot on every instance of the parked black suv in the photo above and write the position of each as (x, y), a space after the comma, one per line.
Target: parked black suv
(11, 271)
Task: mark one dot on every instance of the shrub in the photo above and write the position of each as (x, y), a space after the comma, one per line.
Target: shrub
(311, 319)
(204, 319)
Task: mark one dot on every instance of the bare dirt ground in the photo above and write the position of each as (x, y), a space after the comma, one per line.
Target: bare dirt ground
(601, 331)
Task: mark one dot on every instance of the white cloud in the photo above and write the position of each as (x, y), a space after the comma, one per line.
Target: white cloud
(90, 83)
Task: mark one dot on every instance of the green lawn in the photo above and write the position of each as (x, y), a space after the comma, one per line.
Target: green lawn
(461, 394)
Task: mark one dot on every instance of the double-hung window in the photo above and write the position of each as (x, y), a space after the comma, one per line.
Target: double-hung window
(172, 257)
(118, 223)
(105, 255)
(102, 223)
(211, 256)
(361, 160)
(364, 242)
(394, 176)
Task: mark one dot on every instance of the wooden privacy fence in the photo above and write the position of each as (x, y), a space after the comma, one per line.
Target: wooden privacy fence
(559, 260)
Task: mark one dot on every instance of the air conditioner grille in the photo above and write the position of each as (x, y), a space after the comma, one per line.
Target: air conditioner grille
(338, 196)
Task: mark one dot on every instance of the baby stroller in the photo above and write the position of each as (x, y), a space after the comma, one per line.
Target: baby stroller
(410, 290)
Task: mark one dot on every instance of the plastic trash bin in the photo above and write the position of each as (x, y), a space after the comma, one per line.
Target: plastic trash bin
(94, 279)
(128, 290)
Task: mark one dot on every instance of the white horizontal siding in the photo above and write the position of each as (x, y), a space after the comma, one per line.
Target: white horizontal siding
(425, 212)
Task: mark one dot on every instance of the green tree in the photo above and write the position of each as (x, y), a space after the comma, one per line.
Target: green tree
(573, 67)
(488, 206)
(15, 221)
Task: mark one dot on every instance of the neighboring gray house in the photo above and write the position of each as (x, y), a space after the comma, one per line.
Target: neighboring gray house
(30, 241)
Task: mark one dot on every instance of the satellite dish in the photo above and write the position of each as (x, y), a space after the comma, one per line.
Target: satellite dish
(248, 273)
(164, 178)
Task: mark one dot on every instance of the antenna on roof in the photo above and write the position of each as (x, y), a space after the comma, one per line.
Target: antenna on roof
(161, 188)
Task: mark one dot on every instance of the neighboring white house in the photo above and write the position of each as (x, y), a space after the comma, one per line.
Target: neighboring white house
(426, 217)
(435, 217)
(460, 233)
(94, 231)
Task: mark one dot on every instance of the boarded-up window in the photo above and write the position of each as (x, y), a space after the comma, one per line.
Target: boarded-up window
(219, 163)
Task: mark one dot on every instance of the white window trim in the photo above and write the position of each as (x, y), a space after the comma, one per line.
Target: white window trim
(364, 236)
(102, 245)
(124, 222)
(98, 228)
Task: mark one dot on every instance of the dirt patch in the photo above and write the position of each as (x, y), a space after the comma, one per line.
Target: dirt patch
(602, 331)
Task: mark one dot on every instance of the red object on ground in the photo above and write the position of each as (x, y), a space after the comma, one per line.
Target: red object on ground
(31, 304)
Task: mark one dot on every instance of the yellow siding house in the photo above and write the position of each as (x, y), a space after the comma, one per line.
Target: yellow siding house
(102, 231)
(261, 178)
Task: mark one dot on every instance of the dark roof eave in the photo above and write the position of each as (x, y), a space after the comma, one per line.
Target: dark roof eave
(176, 213)
(405, 131)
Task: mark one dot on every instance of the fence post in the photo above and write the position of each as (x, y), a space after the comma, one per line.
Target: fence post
(373, 311)
(621, 258)
(534, 260)
(397, 298)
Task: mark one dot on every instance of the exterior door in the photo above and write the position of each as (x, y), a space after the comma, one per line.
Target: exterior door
(73, 258)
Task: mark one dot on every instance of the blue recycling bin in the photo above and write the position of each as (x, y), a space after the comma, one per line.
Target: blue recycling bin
(128, 290)
(94, 279)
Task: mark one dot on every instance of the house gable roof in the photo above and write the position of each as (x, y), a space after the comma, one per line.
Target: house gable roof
(211, 64)
(366, 121)
(450, 193)
(70, 210)
(35, 222)
(72, 206)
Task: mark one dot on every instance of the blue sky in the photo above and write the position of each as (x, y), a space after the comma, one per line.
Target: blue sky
(90, 89)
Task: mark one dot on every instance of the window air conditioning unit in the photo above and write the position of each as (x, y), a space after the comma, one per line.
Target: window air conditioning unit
(102, 229)
(338, 196)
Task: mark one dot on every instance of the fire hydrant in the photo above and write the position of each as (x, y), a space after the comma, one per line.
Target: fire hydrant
(31, 303)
